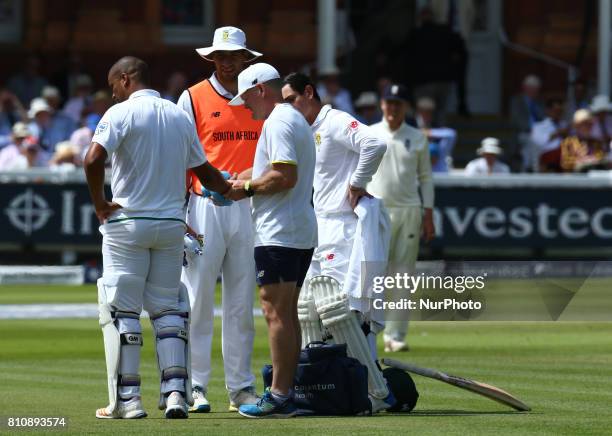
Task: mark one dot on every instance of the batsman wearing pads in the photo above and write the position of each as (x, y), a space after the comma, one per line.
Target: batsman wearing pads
(348, 154)
(142, 228)
(404, 171)
(229, 137)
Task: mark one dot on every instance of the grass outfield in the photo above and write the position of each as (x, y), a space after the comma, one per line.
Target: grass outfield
(562, 370)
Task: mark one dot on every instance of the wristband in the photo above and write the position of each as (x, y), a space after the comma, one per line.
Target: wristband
(248, 190)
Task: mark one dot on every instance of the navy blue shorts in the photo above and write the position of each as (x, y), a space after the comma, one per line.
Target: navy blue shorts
(281, 264)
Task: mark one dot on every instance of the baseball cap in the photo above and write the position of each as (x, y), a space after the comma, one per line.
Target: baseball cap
(21, 130)
(254, 75)
(489, 146)
(227, 38)
(396, 92)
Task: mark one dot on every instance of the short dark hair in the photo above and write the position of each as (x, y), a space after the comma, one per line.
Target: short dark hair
(299, 81)
(134, 67)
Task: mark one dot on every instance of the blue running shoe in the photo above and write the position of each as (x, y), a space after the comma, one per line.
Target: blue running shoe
(268, 407)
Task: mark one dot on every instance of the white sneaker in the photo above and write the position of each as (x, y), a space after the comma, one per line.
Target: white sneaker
(379, 404)
(131, 409)
(393, 346)
(242, 397)
(200, 403)
(176, 408)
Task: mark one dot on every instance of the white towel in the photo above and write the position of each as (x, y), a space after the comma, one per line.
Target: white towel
(371, 245)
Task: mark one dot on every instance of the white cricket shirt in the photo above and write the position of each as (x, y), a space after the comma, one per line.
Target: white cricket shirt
(405, 168)
(152, 143)
(285, 219)
(348, 152)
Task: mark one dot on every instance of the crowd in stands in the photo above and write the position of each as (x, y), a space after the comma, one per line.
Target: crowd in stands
(51, 125)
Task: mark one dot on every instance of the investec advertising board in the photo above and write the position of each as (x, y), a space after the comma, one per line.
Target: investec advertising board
(525, 217)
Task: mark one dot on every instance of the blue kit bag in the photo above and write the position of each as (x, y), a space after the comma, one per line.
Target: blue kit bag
(328, 382)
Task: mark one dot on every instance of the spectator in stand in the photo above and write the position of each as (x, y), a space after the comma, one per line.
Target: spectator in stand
(434, 154)
(547, 135)
(444, 137)
(66, 157)
(331, 92)
(80, 100)
(526, 110)
(22, 153)
(47, 128)
(489, 162)
(177, 83)
(434, 55)
(61, 122)
(582, 152)
(28, 84)
(100, 103)
(11, 111)
(602, 120)
(367, 107)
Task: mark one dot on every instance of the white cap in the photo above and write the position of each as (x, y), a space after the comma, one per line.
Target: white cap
(37, 105)
(367, 98)
(489, 146)
(254, 75)
(227, 38)
(582, 115)
(601, 103)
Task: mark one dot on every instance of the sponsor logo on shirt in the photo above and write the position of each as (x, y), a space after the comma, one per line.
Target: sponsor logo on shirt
(215, 114)
(330, 256)
(354, 124)
(260, 274)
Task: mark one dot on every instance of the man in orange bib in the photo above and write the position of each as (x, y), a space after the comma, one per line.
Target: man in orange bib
(229, 136)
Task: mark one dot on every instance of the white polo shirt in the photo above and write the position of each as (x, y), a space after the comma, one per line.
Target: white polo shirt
(405, 169)
(348, 152)
(285, 219)
(152, 143)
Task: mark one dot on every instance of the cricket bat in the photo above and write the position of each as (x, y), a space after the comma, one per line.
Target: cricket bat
(483, 389)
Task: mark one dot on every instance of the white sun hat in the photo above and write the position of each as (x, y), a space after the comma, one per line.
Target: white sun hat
(254, 75)
(489, 146)
(601, 103)
(38, 105)
(227, 38)
(582, 115)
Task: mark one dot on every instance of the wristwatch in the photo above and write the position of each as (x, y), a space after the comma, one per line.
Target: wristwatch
(248, 190)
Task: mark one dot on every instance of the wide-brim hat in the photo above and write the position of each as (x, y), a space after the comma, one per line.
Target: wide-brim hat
(38, 105)
(489, 146)
(601, 103)
(227, 38)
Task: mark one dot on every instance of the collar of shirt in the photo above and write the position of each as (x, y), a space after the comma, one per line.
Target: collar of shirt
(321, 116)
(218, 87)
(393, 133)
(144, 92)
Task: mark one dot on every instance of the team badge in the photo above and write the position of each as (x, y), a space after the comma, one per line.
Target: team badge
(225, 36)
(101, 128)
(330, 256)
(317, 139)
(407, 144)
(354, 124)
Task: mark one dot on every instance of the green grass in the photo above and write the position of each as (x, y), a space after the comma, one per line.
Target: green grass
(562, 370)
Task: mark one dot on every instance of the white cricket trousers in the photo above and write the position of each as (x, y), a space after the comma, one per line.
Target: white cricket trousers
(403, 253)
(228, 249)
(150, 252)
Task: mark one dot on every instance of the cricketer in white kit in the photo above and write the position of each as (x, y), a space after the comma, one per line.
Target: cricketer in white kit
(151, 143)
(404, 181)
(348, 155)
